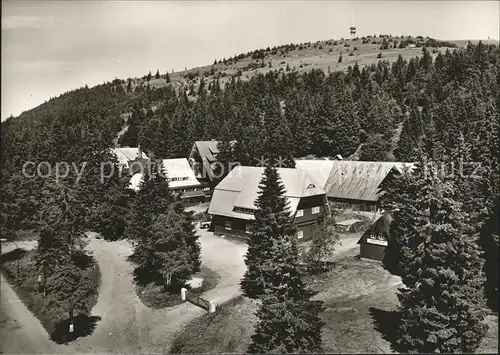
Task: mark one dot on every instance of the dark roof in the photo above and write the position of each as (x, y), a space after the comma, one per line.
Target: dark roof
(381, 226)
(208, 153)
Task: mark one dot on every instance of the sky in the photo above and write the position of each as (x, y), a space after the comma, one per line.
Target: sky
(50, 47)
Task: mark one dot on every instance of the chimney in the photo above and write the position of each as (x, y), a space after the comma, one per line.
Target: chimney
(139, 153)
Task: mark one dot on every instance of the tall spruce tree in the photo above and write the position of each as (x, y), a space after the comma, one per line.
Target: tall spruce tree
(69, 290)
(272, 222)
(400, 200)
(188, 223)
(442, 304)
(225, 156)
(288, 320)
(152, 198)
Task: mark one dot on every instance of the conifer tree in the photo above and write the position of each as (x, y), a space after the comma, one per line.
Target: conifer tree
(167, 78)
(166, 245)
(173, 256)
(152, 198)
(426, 61)
(157, 75)
(442, 302)
(288, 320)
(69, 290)
(340, 57)
(225, 156)
(144, 247)
(400, 199)
(272, 222)
(190, 231)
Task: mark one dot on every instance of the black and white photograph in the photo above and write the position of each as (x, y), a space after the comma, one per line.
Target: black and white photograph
(234, 177)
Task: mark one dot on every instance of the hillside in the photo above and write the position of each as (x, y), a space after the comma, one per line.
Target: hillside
(290, 58)
(302, 57)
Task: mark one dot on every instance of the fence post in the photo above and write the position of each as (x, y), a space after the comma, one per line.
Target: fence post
(213, 306)
(183, 294)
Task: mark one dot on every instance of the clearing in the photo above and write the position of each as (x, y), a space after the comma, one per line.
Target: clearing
(360, 300)
(127, 325)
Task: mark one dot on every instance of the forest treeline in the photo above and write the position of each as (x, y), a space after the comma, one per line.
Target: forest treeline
(442, 108)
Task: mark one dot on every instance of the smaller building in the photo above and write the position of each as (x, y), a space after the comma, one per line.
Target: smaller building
(373, 243)
(203, 161)
(181, 181)
(131, 160)
(203, 158)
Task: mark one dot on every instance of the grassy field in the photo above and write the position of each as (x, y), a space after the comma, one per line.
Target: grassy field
(360, 300)
(155, 296)
(56, 324)
(322, 55)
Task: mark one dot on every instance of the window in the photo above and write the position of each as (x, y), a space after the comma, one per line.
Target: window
(243, 210)
(178, 178)
(315, 210)
(311, 186)
(247, 228)
(300, 213)
(300, 234)
(227, 225)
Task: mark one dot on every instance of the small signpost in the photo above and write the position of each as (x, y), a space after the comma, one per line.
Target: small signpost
(376, 241)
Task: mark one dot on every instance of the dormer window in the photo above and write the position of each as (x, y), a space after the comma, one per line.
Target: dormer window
(311, 186)
(243, 210)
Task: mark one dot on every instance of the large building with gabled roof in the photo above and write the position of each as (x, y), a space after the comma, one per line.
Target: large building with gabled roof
(233, 201)
(351, 184)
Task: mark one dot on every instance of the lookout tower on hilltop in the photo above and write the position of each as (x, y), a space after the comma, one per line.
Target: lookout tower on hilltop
(352, 29)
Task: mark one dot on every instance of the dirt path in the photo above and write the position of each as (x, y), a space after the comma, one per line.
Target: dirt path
(129, 326)
(348, 244)
(21, 332)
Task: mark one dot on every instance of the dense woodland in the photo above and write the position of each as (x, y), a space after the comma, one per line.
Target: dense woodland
(443, 109)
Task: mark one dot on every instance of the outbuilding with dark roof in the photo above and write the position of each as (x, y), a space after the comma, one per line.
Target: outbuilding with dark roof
(373, 243)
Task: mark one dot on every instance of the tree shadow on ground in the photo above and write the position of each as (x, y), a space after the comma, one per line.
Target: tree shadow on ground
(387, 324)
(83, 325)
(13, 255)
